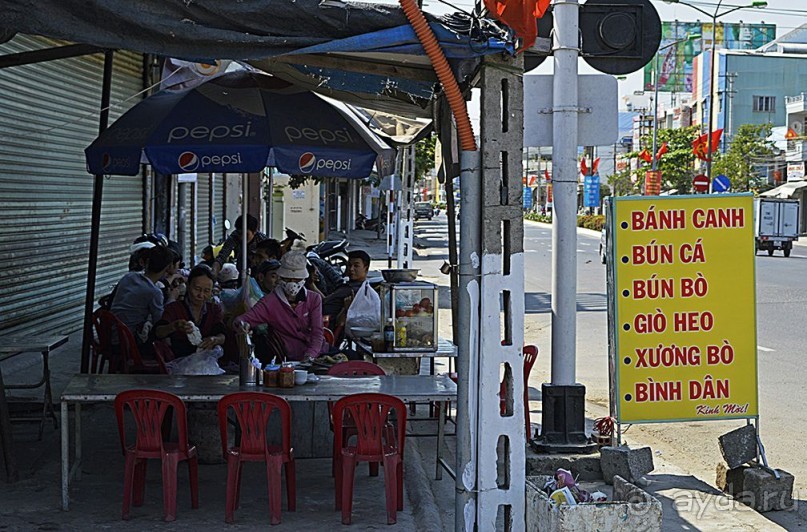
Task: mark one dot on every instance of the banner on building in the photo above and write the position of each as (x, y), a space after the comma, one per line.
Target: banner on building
(675, 63)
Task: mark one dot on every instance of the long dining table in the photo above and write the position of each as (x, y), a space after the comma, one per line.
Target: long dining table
(86, 389)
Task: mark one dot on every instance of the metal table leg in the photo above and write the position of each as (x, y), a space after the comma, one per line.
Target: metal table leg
(6, 440)
(77, 466)
(47, 402)
(441, 429)
(65, 457)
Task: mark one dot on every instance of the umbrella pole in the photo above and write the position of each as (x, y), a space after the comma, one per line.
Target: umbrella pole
(244, 214)
(95, 224)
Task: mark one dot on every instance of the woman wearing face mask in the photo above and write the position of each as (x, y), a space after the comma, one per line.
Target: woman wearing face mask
(292, 313)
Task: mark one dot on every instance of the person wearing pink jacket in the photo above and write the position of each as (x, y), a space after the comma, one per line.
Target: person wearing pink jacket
(292, 313)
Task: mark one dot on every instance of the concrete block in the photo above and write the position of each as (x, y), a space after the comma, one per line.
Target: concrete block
(583, 466)
(739, 446)
(632, 508)
(764, 492)
(631, 464)
(730, 480)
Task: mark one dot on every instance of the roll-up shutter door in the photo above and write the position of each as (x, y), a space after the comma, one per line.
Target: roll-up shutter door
(48, 115)
(202, 212)
(218, 207)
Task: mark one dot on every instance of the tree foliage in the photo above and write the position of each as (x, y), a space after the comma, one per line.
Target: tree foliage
(749, 147)
(424, 156)
(677, 165)
(624, 183)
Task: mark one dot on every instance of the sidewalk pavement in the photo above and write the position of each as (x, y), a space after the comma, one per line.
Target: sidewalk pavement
(34, 502)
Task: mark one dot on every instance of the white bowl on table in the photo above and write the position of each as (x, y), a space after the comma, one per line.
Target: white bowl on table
(362, 332)
(300, 376)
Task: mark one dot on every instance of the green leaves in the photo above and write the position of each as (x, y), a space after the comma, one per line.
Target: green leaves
(749, 150)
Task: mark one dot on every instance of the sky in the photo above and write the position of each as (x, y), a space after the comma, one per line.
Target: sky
(786, 14)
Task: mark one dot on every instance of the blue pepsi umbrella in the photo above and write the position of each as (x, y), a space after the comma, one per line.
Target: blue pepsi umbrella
(240, 122)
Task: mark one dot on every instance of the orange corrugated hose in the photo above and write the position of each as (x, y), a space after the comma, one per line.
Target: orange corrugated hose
(443, 71)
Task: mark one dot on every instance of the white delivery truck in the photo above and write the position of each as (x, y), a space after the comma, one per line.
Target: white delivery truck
(776, 224)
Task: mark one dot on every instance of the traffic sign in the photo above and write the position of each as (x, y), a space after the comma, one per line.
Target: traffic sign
(591, 190)
(700, 183)
(721, 183)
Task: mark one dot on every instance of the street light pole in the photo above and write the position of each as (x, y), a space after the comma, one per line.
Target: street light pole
(687, 37)
(714, 16)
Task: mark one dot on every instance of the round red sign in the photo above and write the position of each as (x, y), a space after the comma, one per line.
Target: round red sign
(700, 183)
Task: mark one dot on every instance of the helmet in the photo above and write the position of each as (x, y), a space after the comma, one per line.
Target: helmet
(148, 241)
(137, 246)
(228, 273)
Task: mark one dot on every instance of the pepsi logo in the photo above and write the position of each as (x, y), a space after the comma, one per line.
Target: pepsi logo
(307, 162)
(188, 161)
(106, 162)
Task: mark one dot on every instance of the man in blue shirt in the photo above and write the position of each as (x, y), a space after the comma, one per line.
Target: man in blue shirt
(137, 299)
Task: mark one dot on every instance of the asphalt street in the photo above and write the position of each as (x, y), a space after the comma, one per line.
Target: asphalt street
(781, 307)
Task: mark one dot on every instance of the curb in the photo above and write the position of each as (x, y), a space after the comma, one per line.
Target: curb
(589, 232)
(421, 496)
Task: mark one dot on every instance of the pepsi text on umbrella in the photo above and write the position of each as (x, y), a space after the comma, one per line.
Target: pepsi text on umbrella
(211, 133)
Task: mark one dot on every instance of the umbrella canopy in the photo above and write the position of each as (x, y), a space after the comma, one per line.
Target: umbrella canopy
(240, 122)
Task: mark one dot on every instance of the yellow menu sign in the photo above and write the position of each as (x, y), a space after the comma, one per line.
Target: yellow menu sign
(683, 308)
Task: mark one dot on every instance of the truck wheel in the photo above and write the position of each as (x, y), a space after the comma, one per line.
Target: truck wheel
(786, 251)
(770, 252)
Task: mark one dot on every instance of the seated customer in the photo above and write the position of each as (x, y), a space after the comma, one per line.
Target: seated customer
(292, 313)
(262, 280)
(339, 300)
(137, 300)
(196, 308)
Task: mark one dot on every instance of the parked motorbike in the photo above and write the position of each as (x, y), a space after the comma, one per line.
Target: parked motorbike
(371, 224)
(333, 252)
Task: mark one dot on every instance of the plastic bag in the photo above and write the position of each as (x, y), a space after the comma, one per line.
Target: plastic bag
(199, 363)
(365, 309)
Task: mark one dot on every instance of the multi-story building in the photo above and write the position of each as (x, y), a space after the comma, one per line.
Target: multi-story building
(750, 86)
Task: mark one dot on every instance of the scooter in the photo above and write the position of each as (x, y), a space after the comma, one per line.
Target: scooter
(370, 224)
(332, 251)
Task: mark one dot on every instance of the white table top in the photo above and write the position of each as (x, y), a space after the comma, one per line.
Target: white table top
(34, 344)
(444, 349)
(84, 388)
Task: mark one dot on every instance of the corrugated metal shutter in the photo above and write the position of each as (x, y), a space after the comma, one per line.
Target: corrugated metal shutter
(218, 207)
(48, 115)
(202, 212)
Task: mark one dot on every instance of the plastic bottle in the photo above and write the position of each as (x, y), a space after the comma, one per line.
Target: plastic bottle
(389, 336)
(401, 336)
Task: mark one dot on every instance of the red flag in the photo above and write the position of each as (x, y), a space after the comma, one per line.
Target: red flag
(583, 167)
(520, 15)
(661, 151)
(645, 156)
(790, 135)
(700, 146)
(595, 165)
(546, 175)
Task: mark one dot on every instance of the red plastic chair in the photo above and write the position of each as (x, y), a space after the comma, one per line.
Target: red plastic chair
(355, 368)
(149, 408)
(379, 438)
(530, 356)
(252, 411)
(351, 368)
(123, 357)
(328, 335)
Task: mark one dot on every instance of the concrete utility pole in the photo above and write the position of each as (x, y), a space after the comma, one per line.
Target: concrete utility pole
(490, 446)
(564, 191)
